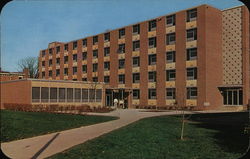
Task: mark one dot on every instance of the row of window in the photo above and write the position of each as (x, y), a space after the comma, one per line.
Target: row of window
(191, 74)
(191, 54)
(170, 40)
(53, 94)
(170, 93)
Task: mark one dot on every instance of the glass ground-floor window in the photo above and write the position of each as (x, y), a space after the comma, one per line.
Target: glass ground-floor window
(233, 96)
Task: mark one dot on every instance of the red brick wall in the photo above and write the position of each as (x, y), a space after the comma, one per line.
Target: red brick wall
(16, 92)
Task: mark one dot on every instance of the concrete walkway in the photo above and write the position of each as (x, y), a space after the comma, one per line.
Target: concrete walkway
(50, 144)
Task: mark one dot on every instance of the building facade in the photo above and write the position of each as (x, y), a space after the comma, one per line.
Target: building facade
(197, 58)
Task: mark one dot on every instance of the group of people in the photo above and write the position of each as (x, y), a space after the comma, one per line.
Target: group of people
(119, 103)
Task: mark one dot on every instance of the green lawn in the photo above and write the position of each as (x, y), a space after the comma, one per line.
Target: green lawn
(207, 136)
(19, 125)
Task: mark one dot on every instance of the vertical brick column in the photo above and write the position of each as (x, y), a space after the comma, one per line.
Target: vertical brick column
(79, 60)
(46, 64)
(40, 65)
(180, 47)
(245, 54)
(144, 64)
(201, 55)
(89, 58)
(54, 62)
(160, 65)
(113, 58)
(70, 57)
(128, 62)
(61, 61)
(100, 57)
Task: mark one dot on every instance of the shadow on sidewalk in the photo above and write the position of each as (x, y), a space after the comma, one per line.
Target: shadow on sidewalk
(45, 146)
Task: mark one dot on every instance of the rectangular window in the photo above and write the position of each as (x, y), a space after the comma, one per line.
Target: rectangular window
(106, 66)
(62, 94)
(136, 94)
(95, 40)
(53, 94)
(91, 95)
(43, 74)
(136, 45)
(122, 79)
(121, 63)
(191, 15)
(35, 94)
(152, 76)
(77, 95)
(192, 34)
(170, 20)
(74, 70)
(57, 49)
(136, 61)
(170, 93)
(44, 94)
(84, 56)
(192, 93)
(106, 51)
(152, 25)
(136, 29)
(98, 95)
(121, 33)
(170, 39)
(170, 75)
(66, 59)
(66, 47)
(84, 79)
(58, 61)
(95, 53)
(191, 54)
(50, 73)
(121, 48)
(84, 68)
(50, 51)
(191, 73)
(43, 53)
(152, 42)
(170, 56)
(50, 62)
(84, 42)
(69, 94)
(152, 59)
(95, 79)
(106, 37)
(106, 79)
(66, 71)
(151, 93)
(136, 77)
(57, 72)
(95, 67)
(74, 45)
(85, 95)
(43, 63)
(74, 57)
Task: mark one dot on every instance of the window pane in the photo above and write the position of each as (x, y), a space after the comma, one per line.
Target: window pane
(85, 95)
(61, 94)
(44, 94)
(35, 94)
(69, 94)
(53, 94)
(77, 94)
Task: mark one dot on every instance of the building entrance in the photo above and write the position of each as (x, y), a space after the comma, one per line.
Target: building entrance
(121, 95)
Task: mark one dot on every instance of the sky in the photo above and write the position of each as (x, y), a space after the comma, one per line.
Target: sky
(28, 26)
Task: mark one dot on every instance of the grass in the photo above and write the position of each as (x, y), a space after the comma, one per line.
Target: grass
(207, 136)
(19, 125)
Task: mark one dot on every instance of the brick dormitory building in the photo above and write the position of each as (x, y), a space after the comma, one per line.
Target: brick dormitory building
(198, 57)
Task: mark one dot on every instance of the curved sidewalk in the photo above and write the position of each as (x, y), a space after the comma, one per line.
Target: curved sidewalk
(50, 144)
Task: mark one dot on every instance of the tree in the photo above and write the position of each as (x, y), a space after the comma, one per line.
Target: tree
(30, 63)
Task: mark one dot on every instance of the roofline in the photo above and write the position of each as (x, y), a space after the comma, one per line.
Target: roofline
(232, 7)
(135, 23)
(46, 80)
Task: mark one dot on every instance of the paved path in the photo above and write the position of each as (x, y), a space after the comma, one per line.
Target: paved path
(50, 144)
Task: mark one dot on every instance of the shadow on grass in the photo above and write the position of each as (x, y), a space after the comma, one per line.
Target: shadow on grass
(228, 128)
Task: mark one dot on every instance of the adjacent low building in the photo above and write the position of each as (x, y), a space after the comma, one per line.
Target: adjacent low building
(47, 92)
